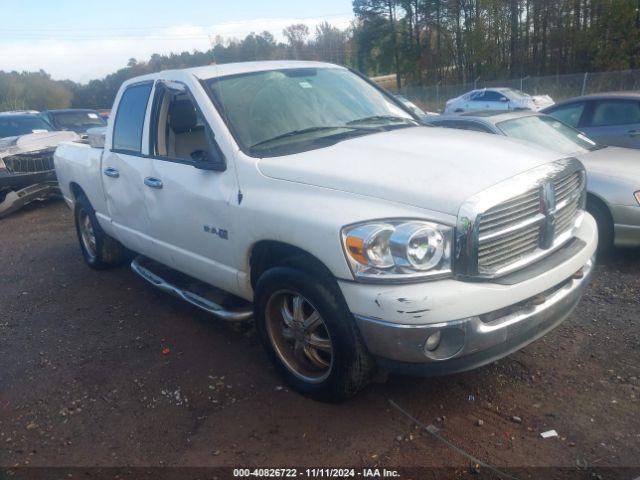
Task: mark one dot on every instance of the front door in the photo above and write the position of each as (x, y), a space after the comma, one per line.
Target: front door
(189, 207)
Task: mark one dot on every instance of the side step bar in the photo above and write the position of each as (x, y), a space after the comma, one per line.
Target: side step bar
(190, 297)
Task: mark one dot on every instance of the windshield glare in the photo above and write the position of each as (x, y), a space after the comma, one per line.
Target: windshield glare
(12, 126)
(548, 132)
(262, 106)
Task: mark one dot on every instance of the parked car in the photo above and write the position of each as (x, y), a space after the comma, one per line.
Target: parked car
(26, 159)
(496, 99)
(348, 231)
(613, 172)
(607, 118)
(77, 120)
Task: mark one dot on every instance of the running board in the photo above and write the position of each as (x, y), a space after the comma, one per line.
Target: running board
(190, 297)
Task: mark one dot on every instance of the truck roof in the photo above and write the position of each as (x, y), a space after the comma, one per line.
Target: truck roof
(225, 69)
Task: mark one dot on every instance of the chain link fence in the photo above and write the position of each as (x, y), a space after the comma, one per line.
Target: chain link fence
(559, 87)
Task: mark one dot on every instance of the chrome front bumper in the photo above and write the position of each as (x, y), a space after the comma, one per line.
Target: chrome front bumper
(474, 341)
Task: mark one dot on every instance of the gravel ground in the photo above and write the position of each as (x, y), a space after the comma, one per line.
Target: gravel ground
(99, 369)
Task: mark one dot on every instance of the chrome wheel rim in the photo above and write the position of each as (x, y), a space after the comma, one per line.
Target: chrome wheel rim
(87, 234)
(299, 336)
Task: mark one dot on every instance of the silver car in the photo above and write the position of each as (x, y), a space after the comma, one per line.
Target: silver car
(608, 118)
(496, 99)
(613, 173)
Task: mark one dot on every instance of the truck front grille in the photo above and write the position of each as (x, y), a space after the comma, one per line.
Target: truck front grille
(510, 230)
(31, 162)
(515, 229)
(567, 202)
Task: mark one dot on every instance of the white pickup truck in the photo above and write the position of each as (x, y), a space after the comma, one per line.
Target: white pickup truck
(356, 238)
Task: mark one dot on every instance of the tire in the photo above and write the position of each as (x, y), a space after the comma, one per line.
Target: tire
(605, 226)
(347, 368)
(99, 250)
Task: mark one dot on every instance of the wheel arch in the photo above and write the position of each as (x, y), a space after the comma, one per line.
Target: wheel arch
(598, 200)
(76, 190)
(266, 254)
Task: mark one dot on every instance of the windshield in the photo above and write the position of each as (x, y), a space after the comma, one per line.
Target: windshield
(286, 111)
(77, 120)
(12, 126)
(548, 132)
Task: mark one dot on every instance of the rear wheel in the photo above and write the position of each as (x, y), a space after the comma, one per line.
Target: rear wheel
(310, 335)
(99, 250)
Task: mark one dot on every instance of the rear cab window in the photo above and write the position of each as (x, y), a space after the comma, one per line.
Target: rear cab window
(129, 124)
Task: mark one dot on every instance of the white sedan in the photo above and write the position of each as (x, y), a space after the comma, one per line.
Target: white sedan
(497, 99)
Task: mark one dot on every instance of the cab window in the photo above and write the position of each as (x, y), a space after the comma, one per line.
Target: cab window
(178, 127)
(127, 132)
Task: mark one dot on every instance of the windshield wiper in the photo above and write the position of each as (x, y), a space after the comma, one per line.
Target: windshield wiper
(302, 131)
(391, 118)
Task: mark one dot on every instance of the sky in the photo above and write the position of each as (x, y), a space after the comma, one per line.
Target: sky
(85, 39)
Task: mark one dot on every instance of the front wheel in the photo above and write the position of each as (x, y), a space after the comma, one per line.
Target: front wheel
(310, 335)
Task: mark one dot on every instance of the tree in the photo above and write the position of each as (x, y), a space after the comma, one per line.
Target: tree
(365, 9)
(330, 43)
(296, 35)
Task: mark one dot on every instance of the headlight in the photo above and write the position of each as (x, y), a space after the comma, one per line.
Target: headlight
(637, 195)
(398, 250)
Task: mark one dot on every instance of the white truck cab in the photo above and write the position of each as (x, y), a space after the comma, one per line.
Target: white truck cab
(354, 236)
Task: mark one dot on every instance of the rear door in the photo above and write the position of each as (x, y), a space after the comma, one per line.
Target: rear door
(125, 166)
(613, 122)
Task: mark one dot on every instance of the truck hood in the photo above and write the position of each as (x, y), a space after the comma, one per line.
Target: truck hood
(431, 168)
(33, 141)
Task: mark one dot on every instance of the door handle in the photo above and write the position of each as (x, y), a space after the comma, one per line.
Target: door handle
(633, 133)
(153, 182)
(111, 172)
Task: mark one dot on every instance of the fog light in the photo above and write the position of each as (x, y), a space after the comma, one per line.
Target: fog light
(433, 341)
(444, 343)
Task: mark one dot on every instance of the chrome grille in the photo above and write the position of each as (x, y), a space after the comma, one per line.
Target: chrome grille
(509, 248)
(511, 212)
(31, 162)
(567, 195)
(501, 229)
(510, 230)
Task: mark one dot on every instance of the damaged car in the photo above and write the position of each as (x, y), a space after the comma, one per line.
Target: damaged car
(27, 143)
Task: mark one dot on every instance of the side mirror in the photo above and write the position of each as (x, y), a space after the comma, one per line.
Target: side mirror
(504, 100)
(203, 161)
